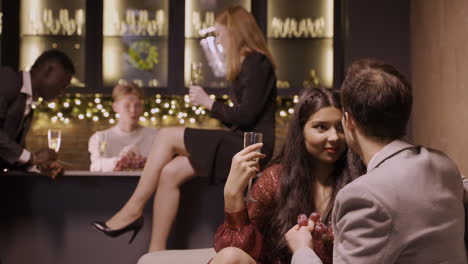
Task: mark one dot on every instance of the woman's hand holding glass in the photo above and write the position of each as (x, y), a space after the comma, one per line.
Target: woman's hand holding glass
(198, 96)
(244, 167)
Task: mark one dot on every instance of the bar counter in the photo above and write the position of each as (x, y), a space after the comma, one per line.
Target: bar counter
(47, 221)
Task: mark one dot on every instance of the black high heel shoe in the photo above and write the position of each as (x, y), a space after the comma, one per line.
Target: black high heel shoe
(135, 226)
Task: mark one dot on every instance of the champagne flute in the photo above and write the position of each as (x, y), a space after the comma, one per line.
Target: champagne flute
(195, 73)
(251, 138)
(102, 143)
(54, 138)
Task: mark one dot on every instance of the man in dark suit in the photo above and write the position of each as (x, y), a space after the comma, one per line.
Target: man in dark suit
(50, 75)
(408, 207)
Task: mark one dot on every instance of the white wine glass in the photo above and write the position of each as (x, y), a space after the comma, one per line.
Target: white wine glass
(251, 138)
(54, 138)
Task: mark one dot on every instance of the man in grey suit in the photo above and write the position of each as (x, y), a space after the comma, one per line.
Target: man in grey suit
(408, 207)
(50, 75)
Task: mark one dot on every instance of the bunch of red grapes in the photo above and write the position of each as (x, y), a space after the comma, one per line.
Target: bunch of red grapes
(135, 162)
(321, 230)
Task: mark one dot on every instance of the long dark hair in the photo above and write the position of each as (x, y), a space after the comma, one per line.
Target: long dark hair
(297, 175)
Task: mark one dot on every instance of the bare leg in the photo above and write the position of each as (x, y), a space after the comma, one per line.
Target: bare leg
(166, 200)
(167, 143)
(232, 255)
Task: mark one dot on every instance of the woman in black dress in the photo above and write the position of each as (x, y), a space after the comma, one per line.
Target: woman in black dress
(179, 153)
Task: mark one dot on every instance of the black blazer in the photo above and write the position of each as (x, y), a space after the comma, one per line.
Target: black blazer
(13, 124)
(254, 96)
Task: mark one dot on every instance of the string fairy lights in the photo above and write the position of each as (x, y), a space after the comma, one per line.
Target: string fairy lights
(157, 109)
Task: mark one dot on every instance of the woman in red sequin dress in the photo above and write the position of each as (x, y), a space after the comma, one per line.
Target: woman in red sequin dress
(310, 170)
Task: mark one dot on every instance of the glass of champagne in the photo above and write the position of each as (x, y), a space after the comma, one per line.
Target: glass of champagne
(195, 73)
(102, 143)
(54, 137)
(251, 138)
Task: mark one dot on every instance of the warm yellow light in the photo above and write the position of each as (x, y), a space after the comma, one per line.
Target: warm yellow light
(97, 100)
(77, 101)
(182, 121)
(112, 121)
(192, 120)
(66, 104)
(112, 59)
(95, 118)
(81, 116)
(282, 113)
(291, 111)
(158, 101)
(106, 114)
(142, 119)
(51, 105)
(59, 114)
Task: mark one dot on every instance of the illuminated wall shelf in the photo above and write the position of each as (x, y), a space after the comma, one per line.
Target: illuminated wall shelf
(154, 42)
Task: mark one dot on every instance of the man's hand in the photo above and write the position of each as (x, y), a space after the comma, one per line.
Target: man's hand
(300, 236)
(46, 161)
(44, 155)
(53, 169)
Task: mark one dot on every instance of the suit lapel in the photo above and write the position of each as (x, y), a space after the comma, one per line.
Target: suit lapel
(25, 124)
(21, 105)
(389, 151)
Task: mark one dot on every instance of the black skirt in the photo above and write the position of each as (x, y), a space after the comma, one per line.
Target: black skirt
(211, 151)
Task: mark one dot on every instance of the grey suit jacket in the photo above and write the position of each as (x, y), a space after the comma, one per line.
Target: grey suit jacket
(13, 124)
(408, 208)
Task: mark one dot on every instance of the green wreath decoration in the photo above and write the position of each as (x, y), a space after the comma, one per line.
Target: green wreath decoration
(143, 55)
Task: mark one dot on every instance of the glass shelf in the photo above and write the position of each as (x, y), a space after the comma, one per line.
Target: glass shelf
(300, 37)
(135, 44)
(53, 24)
(298, 58)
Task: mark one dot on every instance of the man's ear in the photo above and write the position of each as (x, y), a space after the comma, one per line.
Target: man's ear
(114, 106)
(48, 69)
(349, 121)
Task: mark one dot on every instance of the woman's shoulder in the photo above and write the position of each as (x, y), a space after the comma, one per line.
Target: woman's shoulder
(256, 58)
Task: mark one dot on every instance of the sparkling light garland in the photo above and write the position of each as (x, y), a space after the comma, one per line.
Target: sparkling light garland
(157, 108)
